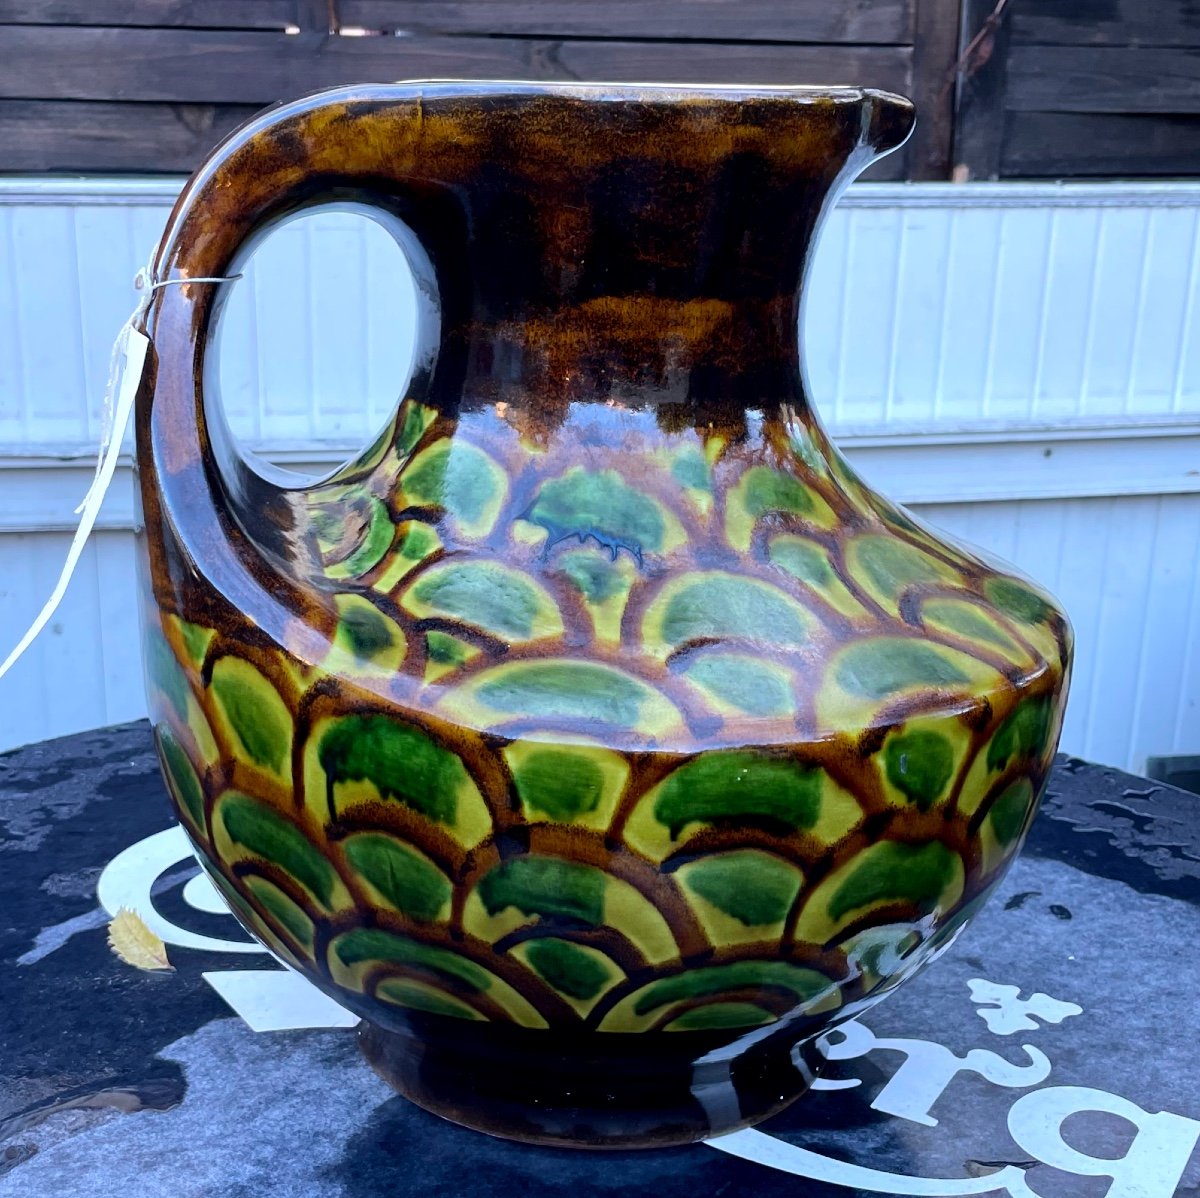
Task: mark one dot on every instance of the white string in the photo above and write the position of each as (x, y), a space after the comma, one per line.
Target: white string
(116, 361)
(125, 369)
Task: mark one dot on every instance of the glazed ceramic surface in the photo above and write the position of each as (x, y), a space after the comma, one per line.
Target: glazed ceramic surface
(599, 700)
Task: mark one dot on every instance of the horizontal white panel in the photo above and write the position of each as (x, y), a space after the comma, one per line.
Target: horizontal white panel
(1127, 571)
(1045, 464)
(929, 307)
(85, 669)
(119, 189)
(40, 493)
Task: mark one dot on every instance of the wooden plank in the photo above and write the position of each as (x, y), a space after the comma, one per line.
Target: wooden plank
(203, 66)
(877, 22)
(892, 169)
(75, 136)
(1103, 79)
(979, 123)
(935, 50)
(887, 67)
(56, 135)
(192, 14)
(864, 22)
(1107, 23)
(315, 18)
(1039, 145)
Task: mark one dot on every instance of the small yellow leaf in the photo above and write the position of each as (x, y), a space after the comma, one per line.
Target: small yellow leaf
(135, 943)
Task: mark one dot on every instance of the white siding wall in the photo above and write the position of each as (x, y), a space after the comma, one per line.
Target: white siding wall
(1032, 382)
(1126, 570)
(1010, 303)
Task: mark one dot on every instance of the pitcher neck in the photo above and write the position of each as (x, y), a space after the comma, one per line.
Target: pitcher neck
(639, 295)
(640, 349)
(645, 247)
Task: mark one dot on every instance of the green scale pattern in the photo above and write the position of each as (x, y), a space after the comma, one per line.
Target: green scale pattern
(694, 736)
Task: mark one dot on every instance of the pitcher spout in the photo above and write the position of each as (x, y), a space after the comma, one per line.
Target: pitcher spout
(888, 122)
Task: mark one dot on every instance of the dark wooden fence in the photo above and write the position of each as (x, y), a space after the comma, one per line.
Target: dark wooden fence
(1079, 88)
(151, 85)
(135, 85)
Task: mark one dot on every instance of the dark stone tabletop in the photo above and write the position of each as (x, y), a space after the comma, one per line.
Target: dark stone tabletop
(1053, 1052)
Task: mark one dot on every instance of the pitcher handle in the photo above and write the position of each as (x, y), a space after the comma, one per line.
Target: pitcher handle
(365, 145)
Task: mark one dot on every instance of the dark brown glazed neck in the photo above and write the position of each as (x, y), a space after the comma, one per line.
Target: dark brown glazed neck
(645, 248)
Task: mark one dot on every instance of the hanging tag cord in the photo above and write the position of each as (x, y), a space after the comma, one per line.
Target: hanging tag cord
(125, 370)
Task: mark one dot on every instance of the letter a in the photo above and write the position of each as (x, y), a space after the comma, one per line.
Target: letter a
(1154, 1164)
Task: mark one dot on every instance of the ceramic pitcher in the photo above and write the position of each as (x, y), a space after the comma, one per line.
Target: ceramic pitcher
(597, 734)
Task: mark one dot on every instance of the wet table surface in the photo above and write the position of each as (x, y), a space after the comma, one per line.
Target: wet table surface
(1054, 1051)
